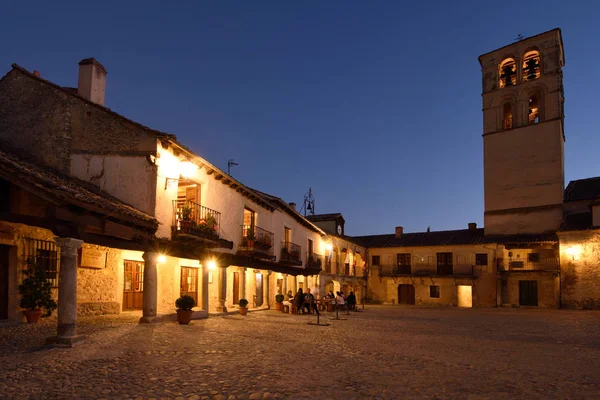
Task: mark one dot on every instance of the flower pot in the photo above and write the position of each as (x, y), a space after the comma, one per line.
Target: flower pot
(279, 306)
(243, 310)
(250, 243)
(33, 316)
(184, 316)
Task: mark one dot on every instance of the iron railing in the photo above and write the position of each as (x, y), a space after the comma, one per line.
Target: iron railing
(43, 255)
(541, 264)
(290, 252)
(256, 240)
(314, 260)
(426, 269)
(193, 219)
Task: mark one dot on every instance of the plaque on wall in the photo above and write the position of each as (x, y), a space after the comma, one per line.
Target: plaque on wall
(92, 258)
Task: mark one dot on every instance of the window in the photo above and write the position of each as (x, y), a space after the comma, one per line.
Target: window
(249, 217)
(444, 263)
(42, 255)
(403, 261)
(310, 247)
(531, 65)
(507, 119)
(508, 73)
(434, 291)
(534, 110)
(375, 260)
(481, 259)
(287, 235)
(533, 257)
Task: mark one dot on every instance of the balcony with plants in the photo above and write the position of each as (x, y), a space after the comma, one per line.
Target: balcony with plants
(290, 254)
(256, 242)
(191, 220)
(314, 262)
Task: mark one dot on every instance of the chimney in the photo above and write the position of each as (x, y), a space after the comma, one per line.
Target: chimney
(293, 205)
(472, 226)
(36, 73)
(399, 231)
(92, 81)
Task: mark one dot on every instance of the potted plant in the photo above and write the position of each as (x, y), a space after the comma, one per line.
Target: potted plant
(184, 306)
(36, 295)
(243, 303)
(279, 302)
(250, 237)
(186, 221)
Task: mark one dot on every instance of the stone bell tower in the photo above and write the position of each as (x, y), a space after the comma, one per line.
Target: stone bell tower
(523, 135)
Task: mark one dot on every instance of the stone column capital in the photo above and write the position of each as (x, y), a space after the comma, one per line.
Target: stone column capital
(151, 256)
(68, 245)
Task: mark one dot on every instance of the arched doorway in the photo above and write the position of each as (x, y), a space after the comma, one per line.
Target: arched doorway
(406, 294)
(332, 286)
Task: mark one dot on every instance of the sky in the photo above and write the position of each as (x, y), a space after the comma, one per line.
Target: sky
(375, 105)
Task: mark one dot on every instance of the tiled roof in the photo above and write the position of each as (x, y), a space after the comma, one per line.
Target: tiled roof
(324, 217)
(449, 238)
(583, 189)
(69, 190)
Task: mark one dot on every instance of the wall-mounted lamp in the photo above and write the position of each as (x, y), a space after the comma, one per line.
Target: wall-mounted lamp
(187, 169)
(212, 265)
(162, 259)
(571, 251)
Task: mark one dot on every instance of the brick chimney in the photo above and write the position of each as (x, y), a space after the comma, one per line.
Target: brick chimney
(293, 205)
(36, 73)
(92, 80)
(399, 231)
(472, 226)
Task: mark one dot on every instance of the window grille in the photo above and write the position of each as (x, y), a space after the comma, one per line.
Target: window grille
(42, 254)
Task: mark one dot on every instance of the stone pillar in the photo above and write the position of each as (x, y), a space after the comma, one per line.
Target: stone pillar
(221, 307)
(67, 294)
(150, 287)
(268, 289)
(205, 287)
(243, 283)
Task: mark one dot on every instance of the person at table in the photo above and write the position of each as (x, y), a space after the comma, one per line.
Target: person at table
(309, 302)
(289, 297)
(298, 300)
(330, 295)
(351, 301)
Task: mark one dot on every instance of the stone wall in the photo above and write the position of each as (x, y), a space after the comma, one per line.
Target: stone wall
(580, 269)
(548, 287)
(98, 289)
(35, 120)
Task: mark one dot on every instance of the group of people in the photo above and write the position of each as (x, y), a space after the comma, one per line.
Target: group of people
(305, 302)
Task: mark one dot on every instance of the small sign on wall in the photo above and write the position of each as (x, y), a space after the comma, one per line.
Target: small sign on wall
(92, 258)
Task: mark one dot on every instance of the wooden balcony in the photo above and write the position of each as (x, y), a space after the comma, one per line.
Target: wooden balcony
(290, 253)
(426, 270)
(256, 242)
(193, 220)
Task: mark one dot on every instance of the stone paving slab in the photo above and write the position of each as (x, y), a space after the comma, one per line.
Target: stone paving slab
(385, 352)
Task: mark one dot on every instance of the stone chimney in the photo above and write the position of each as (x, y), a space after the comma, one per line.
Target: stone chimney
(472, 226)
(293, 205)
(399, 231)
(36, 73)
(92, 81)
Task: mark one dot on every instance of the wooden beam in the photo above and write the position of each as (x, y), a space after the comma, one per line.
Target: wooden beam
(209, 171)
(218, 177)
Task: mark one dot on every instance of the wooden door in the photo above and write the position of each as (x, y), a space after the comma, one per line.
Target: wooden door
(406, 294)
(4, 282)
(259, 290)
(133, 285)
(236, 287)
(528, 294)
(189, 283)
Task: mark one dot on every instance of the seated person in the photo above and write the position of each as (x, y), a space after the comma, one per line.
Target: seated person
(340, 300)
(309, 301)
(298, 300)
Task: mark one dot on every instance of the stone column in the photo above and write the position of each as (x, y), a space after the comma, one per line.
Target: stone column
(67, 294)
(222, 289)
(243, 283)
(150, 287)
(268, 289)
(205, 287)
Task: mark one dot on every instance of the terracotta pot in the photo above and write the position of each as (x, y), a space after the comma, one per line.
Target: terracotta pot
(33, 316)
(250, 243)
(184, 316)
(278, 306)
(243, 310)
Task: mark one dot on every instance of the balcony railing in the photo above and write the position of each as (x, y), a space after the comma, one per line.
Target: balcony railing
(314, 260)
(256, 240)
(290, 253)
(542, 264)
(426, 269)
(190, 218)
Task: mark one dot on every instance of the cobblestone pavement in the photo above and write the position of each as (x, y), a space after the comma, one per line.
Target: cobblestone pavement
(384, 352)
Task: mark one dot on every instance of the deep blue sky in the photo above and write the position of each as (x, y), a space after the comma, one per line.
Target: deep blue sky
(375, 105)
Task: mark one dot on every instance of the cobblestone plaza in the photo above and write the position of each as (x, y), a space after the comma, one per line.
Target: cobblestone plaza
(386, 352)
